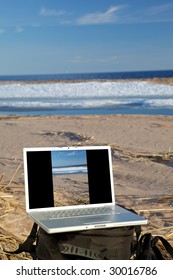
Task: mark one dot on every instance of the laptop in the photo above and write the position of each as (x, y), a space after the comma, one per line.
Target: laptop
(71, 189)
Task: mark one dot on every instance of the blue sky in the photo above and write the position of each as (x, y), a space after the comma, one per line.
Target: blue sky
(68, 158)
(74, 36)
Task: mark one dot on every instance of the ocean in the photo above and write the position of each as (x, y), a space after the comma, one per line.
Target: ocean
(92, 93)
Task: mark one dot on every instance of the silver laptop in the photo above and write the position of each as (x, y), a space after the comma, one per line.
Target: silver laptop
(71, 189)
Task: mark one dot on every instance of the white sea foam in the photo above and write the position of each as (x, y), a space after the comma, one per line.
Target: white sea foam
(69, 170)
(85, 95)
(85, 89)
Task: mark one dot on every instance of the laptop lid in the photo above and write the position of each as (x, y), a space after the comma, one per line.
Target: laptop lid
(68, 177)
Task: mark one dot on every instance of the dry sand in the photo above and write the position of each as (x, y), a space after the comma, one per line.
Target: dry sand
(74, 191)
(142, 148)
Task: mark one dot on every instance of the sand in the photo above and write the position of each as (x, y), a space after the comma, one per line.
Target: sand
(166, 81)
(142, 148)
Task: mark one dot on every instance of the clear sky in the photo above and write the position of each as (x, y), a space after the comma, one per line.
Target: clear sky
(74, 36)
(68, 158)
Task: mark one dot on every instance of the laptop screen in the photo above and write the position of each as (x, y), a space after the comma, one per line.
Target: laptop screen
(67, 177)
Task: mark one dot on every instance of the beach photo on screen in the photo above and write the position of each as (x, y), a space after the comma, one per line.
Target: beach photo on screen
(70, 177)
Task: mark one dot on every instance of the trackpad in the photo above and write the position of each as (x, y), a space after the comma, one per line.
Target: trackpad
(95, 219)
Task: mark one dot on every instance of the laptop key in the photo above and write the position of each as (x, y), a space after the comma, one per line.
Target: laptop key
(80, 212)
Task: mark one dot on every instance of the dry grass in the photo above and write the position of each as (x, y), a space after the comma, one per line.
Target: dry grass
(164, 157)
(78, 138)
(10, 242)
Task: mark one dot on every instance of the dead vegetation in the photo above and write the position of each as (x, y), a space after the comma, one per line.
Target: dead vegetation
(10, 242)
(72, 136)
(125, 154)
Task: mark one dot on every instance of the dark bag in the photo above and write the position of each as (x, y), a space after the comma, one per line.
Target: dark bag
(148, 248)
(111, 244)
(120, 243)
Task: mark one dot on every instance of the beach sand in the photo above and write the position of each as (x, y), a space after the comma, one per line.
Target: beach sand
(142, 149)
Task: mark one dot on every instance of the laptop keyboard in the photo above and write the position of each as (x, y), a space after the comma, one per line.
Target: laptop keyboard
(80, 212)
